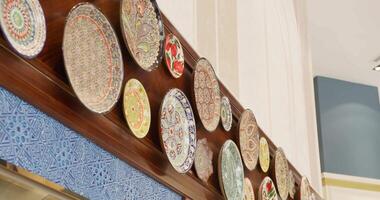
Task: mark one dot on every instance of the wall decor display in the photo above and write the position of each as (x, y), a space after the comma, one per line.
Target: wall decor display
(92, 57)
(23, 25)
(226, 114)
(291, 184)
(175, 60)
(143, 32)
(267, 190)
(231, 172)
(136, 108)
(305, 191)
(203, 160)
(249, 194)
(281, 172)
(207, 94)
(264, 156)
(249, 139)
(178, 130)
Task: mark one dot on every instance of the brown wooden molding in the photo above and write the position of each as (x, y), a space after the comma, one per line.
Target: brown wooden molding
(43, 83)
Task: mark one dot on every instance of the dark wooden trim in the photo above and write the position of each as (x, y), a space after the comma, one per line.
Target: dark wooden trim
(43, 83)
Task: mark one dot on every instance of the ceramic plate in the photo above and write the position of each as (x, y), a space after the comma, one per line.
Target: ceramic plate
(178, 130)
(23, 25)
(226, 114)
(203, 160)
(231, 172)
(264, 157)
(281, 172)
(93, 59)
(207, 95)
(291, 184)
(143, 32)
(248, 190)
(249, 139)
(305, 191)
(267, 190)
(136, 108)
(174, 58)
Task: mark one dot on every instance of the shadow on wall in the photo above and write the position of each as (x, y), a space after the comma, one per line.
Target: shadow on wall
(348, 117)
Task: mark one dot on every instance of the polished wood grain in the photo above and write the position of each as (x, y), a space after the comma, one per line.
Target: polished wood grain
(43, 83)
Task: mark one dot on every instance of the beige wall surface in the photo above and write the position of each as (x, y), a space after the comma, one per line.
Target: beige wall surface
(259, 49)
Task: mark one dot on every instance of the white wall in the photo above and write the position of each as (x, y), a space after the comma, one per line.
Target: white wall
(260, 50)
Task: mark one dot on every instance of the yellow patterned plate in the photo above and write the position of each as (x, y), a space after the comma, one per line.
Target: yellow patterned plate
(93, 59)
(281, 172)
(249, 139)
(264, 157)
(136, 108)
(143, 32)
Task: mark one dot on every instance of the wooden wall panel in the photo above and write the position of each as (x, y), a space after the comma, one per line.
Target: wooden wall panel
(43, 83)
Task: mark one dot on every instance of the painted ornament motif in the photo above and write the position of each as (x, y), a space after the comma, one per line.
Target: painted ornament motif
(207, 95)
(305, 191)
(203, 160)
(248, 190)
(174, 58)
(267, 190)
(178, 130)
(264, 157)
(281, 172)
(143, 32)
(231, 172)
(291, 184)
(226, 114)
(23, 24)
(249, 139)
(136, 108)
(93, 59)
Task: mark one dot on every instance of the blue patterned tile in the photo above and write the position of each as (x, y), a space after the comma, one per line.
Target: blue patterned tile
(40, 144)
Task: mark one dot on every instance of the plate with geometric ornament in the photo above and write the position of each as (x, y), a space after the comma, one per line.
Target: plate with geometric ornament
(281, 173)
(267, 190)
(226, 114)
(178, 130)
(249, 139)
(143, 32)
(231, 171)
(136, 108)
(92, 56)
(23, 25)
(174, 57)
(206, 94)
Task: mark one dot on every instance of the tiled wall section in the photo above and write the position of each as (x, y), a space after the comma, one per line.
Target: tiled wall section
(40, 144)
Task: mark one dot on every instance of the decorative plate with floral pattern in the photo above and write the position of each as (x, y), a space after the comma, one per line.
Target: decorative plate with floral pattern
(136, 108)
(203, 160)
(178, 130)
(93, 59)
(207, 95)
(174, 58)
(249, 194)
(281, 172)
(267, 190)
(249, 139)
(226, 114)
(231, 172)
(143, 32)
(264, 157)
(305, 191)
(24, 27)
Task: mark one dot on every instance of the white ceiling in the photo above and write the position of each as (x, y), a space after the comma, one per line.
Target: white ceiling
(345, 39)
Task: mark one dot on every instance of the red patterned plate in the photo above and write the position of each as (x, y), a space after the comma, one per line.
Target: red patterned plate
(174, 56)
